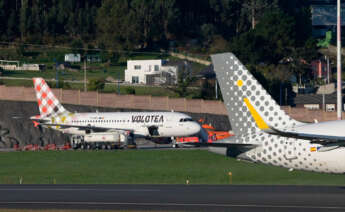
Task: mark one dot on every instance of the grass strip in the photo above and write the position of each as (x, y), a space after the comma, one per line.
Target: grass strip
(147, 167)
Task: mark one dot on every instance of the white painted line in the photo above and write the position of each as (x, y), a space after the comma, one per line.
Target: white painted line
(179, 204)
(78, 189)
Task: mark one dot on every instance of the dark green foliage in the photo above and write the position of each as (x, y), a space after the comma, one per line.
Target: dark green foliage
(130, 90)
(77, 47)
(20, 50)
(265, 32)
(60, 84)
(133, 24)
(207, 90)
(185, 80)
(96, 84)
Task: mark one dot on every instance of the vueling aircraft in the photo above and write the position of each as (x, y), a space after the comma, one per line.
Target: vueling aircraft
(103, 125)
(265, 134)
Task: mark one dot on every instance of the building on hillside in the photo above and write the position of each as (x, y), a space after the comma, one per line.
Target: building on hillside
(15, 66)
(72, 58)
(93, 58)
(317, 101)
(31, 67)
(319, 68)
(151, 72)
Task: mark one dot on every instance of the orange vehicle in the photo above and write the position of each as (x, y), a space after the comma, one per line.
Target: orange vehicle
(50, 147)
(212, 136)
(31, 147)
(218, 134)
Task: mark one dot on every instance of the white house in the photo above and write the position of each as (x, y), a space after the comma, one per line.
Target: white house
(73, 58)
(150, 72)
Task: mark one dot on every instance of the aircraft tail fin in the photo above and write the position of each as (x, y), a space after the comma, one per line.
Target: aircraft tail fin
(250, 108)
(48, 104)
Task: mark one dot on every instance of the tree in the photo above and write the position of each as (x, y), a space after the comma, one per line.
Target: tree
(167, 17)
(250, 47)
(3, 19)
(298, 64)
(20, 50)
(146, 14)
(24, 13)
(116, 25)
(256, 8)
(36, 17)
(77, 46)
(184, 81)
(278, 30)
(207, 90)
(227, 17)
(12, 28)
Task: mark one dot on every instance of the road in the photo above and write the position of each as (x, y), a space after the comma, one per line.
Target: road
(174, 197)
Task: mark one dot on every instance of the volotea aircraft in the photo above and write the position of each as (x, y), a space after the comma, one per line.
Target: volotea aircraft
(264, 133)
(104, 125)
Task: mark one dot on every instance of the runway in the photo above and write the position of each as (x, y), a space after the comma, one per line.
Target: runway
(174, 197)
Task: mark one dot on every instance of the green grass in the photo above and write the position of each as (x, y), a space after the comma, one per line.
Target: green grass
(73, 210)
(116, 72)
(147, 166)
(109, 88)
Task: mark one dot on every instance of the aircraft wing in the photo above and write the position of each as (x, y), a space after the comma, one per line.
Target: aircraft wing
(88, 127)
(228, 142)
(315, 138)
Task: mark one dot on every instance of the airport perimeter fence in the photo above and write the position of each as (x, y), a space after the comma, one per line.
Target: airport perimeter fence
(76, 97)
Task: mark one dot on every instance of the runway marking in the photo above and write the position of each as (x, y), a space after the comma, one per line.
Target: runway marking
(181, 204)
(78, 189)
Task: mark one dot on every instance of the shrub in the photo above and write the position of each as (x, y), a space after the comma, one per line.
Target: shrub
(96, 84)
(130, 90)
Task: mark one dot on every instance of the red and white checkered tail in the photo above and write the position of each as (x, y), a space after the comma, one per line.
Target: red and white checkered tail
(48, 104)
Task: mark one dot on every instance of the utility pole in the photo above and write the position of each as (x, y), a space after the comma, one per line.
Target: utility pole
(327, 69)
(85, 75)
(216, 86)
(339, 84)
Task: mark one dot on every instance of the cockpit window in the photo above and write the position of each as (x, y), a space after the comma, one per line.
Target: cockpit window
(186, 119)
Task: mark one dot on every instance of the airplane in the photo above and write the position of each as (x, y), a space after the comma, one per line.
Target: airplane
(104, 125)
(266, 134)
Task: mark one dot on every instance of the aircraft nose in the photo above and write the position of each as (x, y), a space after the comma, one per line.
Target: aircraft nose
(195, 128)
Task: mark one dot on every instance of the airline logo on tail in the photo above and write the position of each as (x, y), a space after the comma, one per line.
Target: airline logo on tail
(250, 108)
(48, 104)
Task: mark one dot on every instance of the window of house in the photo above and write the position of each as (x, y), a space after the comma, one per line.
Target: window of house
(135, 79)
(137, 67)
(156, 67)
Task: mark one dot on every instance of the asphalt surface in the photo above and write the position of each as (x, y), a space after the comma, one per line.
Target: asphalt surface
(174, 197)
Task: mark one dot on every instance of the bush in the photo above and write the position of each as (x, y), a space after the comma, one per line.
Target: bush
(61, 84)
(96, 84)
(130, 90)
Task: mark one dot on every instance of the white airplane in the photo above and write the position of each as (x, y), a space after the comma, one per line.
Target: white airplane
(265, 134)
(103, 125)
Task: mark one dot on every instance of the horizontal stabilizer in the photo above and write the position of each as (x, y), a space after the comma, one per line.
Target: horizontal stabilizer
(314, 138)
